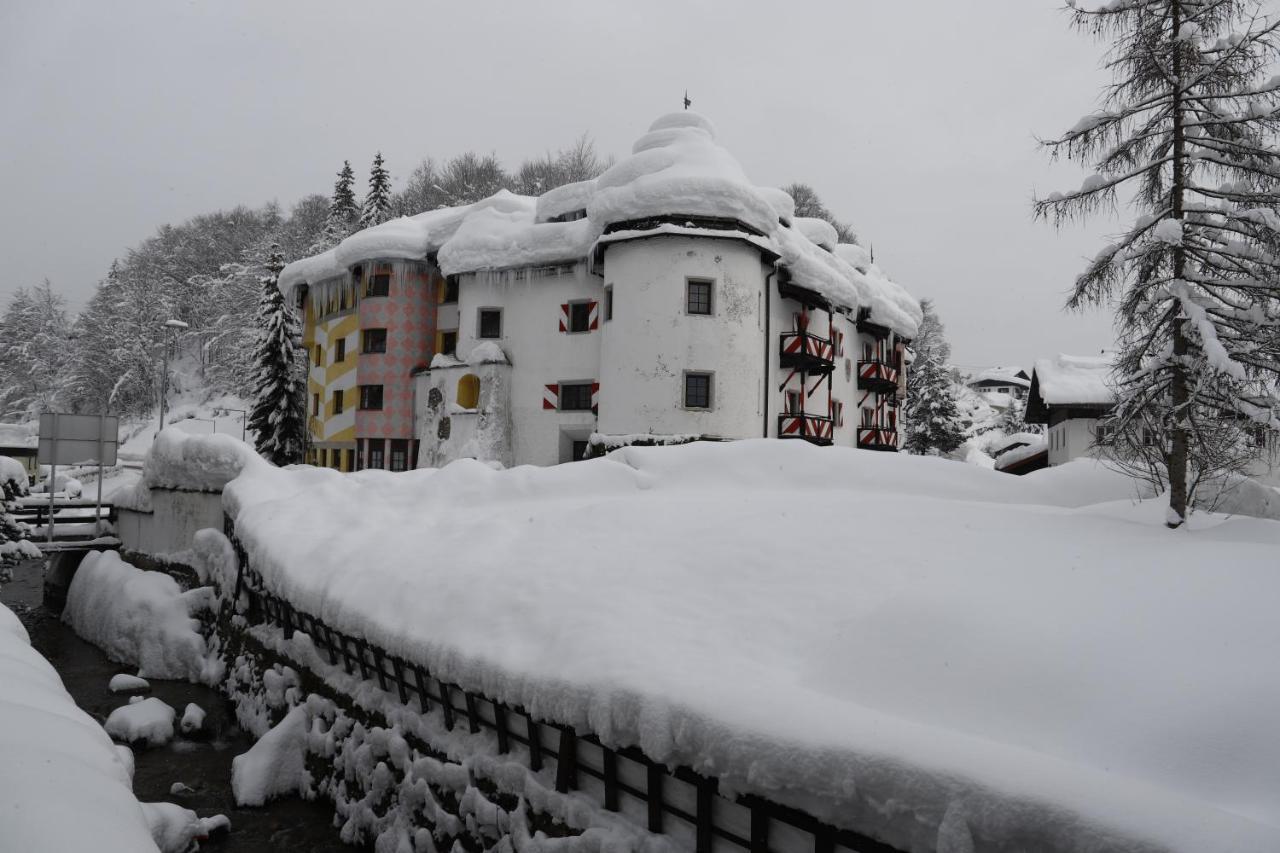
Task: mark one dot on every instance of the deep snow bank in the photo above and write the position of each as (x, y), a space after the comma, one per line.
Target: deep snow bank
(906, 646)
(140, 618)
(182, 460)
(63, 785)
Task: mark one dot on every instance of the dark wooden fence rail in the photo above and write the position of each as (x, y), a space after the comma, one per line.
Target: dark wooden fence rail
(672, 800)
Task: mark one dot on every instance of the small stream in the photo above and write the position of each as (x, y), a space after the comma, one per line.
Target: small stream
(204, 765)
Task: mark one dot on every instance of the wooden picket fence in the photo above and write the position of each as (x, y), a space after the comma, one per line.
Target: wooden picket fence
(672, 800)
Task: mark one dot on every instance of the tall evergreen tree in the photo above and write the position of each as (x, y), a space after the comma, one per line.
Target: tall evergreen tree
(377, 203)
(1187, 126)
(933, 422)
(344, 211)
(1013, 418)
(279, 409)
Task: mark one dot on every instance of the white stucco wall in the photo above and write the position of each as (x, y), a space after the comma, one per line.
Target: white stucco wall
(1071, 439)
(540, 354)
(652, 341)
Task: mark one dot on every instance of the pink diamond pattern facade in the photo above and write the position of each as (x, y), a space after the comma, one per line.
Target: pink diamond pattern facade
(408, 313)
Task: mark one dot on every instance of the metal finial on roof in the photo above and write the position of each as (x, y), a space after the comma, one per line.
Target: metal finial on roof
(687, 103)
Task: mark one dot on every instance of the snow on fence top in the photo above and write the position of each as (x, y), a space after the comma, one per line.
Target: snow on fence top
(898, 675)
(197, 463)
(63, 785)
(1075, 380)
(677, 168)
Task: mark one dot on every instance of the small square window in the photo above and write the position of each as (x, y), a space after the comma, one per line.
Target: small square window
(371, 397)
(315, 405)
(379, 284)
(490, 323)
(579, 316)
(340, 350)
(448, 342)
(608, 303)
(450, 291)
(376, 452)
(319, 356)
(373, 340)
(575, 396)
(699, 296)
(337, 402)
(697, 390)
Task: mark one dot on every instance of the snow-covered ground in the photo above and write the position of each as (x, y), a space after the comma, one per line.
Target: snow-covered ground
(901, 645)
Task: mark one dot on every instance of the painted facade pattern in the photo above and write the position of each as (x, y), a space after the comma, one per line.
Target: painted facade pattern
(408, 314)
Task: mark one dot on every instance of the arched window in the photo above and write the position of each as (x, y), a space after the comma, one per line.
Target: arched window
(469, 391)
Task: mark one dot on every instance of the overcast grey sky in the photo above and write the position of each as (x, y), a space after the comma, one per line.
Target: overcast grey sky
(915, 121)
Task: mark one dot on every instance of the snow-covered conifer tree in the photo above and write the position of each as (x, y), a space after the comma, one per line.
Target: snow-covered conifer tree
(1187, 128)
(1013, 418)
(13, 543)
(377, 203)
(279, 408)
(344, 211)
(933, 423)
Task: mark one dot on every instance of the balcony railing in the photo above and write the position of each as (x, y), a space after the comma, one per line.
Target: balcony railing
(876, 375)
(878, 438)
(806, 351)
(812, 428)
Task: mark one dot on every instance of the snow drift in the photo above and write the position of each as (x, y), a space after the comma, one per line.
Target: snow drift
(63, 785)
(141, 618)
(910, 647)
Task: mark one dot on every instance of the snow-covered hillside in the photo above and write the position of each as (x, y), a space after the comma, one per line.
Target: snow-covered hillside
(908, 646)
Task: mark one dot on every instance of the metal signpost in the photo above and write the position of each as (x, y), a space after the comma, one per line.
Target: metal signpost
(73, 440)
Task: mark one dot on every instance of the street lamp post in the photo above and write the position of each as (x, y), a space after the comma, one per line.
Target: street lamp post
(173, 327)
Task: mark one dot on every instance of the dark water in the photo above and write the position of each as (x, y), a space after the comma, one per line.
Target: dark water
(204, 764)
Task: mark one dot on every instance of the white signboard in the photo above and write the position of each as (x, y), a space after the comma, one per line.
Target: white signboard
(76, 439)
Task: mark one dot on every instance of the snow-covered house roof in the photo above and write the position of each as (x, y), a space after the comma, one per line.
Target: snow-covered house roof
(1002, 376)
(19, 435)
(676, 170)
(1070, 381)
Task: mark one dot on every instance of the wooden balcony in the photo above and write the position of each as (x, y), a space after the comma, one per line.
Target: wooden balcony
(812, 428)
(878, 438)
(806, 351)
(875, 375)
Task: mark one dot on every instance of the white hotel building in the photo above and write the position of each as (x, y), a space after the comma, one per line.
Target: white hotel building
(668, 300)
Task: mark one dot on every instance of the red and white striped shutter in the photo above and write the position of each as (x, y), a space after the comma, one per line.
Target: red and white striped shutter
(564, 317)
(551, 396)
(593, 320)
(595, 386)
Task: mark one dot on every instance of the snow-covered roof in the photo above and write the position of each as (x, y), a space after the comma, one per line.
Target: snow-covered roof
(819, 231)
(675, 169)
(1019, 448)
(1075, 380)
(1070, 380)
(565, 199)
(493, 239)
(976, 692)
(1004, 375)
(20, 435)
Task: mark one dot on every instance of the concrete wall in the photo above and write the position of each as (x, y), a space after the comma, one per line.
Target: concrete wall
(174, 518)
